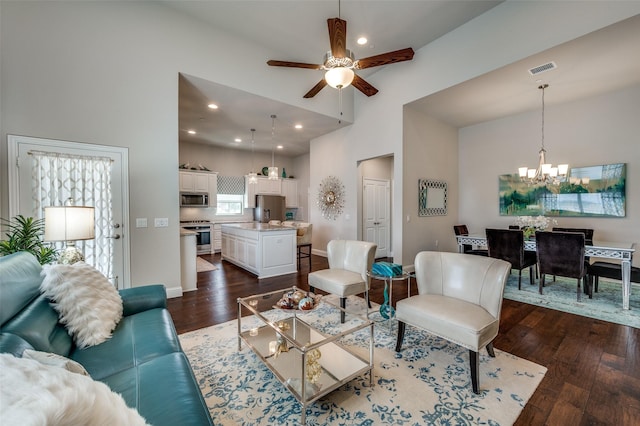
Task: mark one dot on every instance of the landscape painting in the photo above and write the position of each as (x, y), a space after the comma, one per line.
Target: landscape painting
(593, 191)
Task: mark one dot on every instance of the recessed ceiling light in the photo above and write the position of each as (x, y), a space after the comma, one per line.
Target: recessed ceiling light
(213, 106)
(237, 140)
(362, 41)
(298, 126)
(279, 146)
(191, 132)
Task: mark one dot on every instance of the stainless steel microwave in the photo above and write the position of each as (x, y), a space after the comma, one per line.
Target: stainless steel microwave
(194, 199)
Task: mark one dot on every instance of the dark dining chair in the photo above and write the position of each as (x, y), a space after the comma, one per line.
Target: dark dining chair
(508, 244)
(588, 240)
(468, 248)
(562, 253)
(609, 270)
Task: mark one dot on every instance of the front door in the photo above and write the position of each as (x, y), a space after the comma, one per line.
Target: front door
(112, 236)
(376, 222)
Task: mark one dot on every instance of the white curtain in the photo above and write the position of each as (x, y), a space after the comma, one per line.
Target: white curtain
(87, 181)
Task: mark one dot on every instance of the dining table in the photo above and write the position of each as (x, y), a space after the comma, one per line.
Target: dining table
(602, 249)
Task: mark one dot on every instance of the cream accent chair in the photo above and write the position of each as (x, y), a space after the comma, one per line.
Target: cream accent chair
(459, 299)
(349, 262)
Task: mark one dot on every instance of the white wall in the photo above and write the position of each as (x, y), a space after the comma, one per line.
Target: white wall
(433, 148)
(598, 130)
(107, 72)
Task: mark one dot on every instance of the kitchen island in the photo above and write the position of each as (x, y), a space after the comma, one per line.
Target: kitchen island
(262, 249)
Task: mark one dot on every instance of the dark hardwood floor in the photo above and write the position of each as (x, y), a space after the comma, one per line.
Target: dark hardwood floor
(593, 375)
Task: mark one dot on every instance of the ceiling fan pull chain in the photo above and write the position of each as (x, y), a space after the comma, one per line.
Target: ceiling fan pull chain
(340, 104)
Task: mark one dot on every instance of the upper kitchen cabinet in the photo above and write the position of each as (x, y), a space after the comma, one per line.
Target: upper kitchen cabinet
(290, 192)
(200, 182)
(266, 186)
(194, 182)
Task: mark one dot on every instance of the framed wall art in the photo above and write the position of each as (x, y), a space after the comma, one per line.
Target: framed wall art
(432, 197)
(592, 191)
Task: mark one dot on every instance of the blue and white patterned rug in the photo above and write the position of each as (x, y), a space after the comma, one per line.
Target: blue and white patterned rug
(426, 383)
(561, 296)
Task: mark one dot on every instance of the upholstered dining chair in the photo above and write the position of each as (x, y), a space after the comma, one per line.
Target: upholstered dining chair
(562, 253)
(588, 240)
(508, 244)
(609, 270)
(459, 299)
(467, 248)
(348, 274)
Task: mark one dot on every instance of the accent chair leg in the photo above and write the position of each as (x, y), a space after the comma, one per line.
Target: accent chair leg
(400, 337)
(474, 363)
(343, 305)
(312, 289)
(490, 350)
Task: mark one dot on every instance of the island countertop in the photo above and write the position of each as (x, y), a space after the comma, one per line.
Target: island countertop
(258, 226)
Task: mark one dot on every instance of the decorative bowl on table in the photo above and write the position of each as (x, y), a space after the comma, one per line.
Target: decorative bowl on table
(298, 300)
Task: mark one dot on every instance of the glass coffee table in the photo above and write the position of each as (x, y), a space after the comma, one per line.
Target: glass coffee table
(309, 356)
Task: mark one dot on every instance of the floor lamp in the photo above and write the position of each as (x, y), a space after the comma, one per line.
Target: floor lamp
(69, 223)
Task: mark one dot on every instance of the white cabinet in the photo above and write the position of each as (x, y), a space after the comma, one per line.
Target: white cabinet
(213, 190)
(290, 192)
(217, 238)
(266, 186)
(264, 253)
(194, 181)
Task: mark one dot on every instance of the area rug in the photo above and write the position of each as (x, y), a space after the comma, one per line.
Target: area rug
(204, 265)
(561, 295)
(426, 383)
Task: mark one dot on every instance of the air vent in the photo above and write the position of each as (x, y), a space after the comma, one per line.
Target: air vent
(542, 68)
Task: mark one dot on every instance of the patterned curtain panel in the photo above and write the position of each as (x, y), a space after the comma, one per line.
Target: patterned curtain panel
(87, 181)
(231, 185)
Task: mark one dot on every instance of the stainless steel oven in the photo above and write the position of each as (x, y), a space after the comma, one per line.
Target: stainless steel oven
(204, 236)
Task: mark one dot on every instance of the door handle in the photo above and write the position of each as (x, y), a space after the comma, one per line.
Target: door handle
(115, 237)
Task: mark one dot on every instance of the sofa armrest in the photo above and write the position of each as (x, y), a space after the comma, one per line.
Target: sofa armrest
(139, 299)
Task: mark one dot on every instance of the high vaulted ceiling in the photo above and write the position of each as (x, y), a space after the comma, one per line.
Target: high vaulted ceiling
(603, 61)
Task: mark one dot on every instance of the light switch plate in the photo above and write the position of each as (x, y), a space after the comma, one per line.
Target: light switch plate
(141, 222)
(161, 222)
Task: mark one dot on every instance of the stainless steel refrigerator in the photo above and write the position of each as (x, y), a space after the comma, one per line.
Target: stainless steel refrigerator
(269, 207)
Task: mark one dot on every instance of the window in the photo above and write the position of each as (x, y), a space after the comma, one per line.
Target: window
(229, 205)
(230, 195)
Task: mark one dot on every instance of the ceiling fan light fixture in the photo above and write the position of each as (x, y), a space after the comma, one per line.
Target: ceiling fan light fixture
(339, 77)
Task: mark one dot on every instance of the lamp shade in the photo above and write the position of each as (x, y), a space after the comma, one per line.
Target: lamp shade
(339, 77)
(69, 223)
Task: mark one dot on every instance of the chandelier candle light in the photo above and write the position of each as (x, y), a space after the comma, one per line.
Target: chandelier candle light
(545, 173)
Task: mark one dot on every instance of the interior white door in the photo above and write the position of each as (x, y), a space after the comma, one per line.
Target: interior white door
(376, 210)
(21, 192)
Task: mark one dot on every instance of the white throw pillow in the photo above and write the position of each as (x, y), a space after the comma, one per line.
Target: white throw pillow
(36, 394)
(55, 360)
(87, 304)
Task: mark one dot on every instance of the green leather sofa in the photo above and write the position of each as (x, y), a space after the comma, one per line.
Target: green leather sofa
(143, 361)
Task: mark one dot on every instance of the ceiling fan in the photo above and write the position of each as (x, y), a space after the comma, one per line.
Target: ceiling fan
(339, 62)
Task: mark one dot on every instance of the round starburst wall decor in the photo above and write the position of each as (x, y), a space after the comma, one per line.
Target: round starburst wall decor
(331, 197)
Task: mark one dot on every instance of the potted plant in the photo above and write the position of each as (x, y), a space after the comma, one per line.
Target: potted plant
(25, 234)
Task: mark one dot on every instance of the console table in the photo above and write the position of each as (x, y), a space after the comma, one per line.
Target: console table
(607, 250)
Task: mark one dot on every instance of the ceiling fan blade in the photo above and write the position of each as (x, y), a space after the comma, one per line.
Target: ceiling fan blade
(386, 58)
(337, 37)
(293, 64)
(318, 87)
(360, 84)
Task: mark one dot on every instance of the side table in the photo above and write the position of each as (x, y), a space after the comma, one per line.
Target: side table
(387, 310)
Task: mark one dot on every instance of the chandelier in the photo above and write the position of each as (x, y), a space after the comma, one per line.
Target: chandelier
(253, 176)
(545, 173)
(273, 170)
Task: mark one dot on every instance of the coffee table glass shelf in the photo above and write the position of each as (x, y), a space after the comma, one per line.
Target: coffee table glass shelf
(296, 344)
